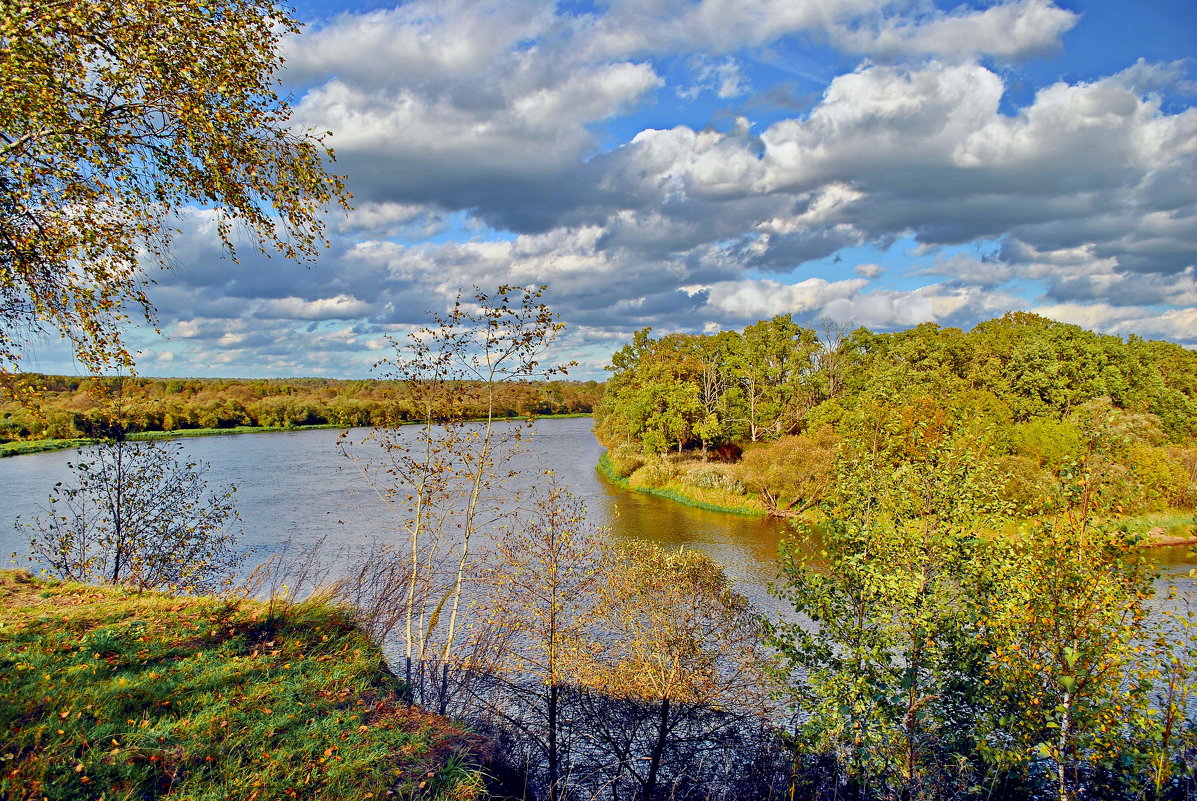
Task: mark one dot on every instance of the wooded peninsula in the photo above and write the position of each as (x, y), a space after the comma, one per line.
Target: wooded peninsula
(754, 420)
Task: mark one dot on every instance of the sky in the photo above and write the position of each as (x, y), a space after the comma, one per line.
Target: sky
(698, 165)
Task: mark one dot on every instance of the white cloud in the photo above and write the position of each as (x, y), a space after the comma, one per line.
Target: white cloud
(490, 141)
(1179, 325)
(755, 300)
(1013, 31)
(339, 307)
(724, 78)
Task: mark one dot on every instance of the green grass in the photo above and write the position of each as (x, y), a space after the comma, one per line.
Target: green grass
(713, 500)
(22, 447)
(111, 695)
(1170, 524)
(216, 432)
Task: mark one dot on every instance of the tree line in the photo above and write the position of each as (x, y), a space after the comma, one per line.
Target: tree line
(64, 407)
(785, 397)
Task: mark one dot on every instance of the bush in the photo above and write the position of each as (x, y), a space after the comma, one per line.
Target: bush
(1163, 481)
(714, 478)
(794, 471)
(625, 460)
(141, 515)
(1030, 488)
(654, 474)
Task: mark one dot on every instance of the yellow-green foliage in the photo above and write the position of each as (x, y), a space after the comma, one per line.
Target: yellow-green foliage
(714, 476)
(653, 474)
(712, 498)
(1029, 488)
(794, 470)
(71, 407)
(104, 694)
(1162, 481)
(1049, 442)
(625, 460)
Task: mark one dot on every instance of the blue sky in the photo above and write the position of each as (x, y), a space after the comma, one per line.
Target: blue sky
(702, 164)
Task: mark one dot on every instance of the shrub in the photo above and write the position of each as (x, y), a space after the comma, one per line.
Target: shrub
(794, 471)
(141, 515)
(656, 473)
(714, 478)
(1027, 486)
(625, 460)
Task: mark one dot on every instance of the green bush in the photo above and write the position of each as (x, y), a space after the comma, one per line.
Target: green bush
(654, 474)
(625, 460)
(708, 477)
(1031, 489)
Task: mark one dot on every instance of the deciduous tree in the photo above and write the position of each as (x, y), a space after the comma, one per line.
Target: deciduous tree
(141, 515)
(113, 118)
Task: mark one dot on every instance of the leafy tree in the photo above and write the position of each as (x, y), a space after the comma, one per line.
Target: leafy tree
(539, 591)
(445, 479)
(674, 667)
(1063, 624)
(115, 117)
(653, 397)
(883, 682)
(140, 515)
(773, 359)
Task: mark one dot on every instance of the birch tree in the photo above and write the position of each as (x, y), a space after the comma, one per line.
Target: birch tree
(116, 116)
(540, 587)
(446, 479)
(141, 515)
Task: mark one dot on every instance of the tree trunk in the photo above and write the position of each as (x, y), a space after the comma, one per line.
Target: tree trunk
(554, 761)
(650, 782)
(1062, 749)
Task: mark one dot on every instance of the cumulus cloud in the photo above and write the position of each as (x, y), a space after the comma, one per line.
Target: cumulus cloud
(755, 300)
(1179, 325)
(1014, 31)
(490, 141)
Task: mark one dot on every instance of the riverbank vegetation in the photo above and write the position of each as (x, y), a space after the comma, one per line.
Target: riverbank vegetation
(767, 409)
(47, 407)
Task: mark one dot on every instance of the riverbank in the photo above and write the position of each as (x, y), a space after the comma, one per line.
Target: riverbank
(1168, 528)
(711, 498)
(23, 447)
(105, 693)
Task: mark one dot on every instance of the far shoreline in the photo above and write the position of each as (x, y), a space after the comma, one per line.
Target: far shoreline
(26, 447)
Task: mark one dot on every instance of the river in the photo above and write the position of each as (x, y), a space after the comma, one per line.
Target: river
(297, 485)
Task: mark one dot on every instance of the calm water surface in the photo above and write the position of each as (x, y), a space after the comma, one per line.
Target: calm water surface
(297, 485)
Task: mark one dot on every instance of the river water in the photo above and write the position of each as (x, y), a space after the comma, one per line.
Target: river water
(297, 485)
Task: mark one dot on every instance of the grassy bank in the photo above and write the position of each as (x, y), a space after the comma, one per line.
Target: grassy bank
(712, 499)
(1169, 527)
(23, 447)
(105, 694)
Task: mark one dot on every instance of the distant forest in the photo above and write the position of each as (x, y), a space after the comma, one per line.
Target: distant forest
(1034, 397)
(66, 407)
